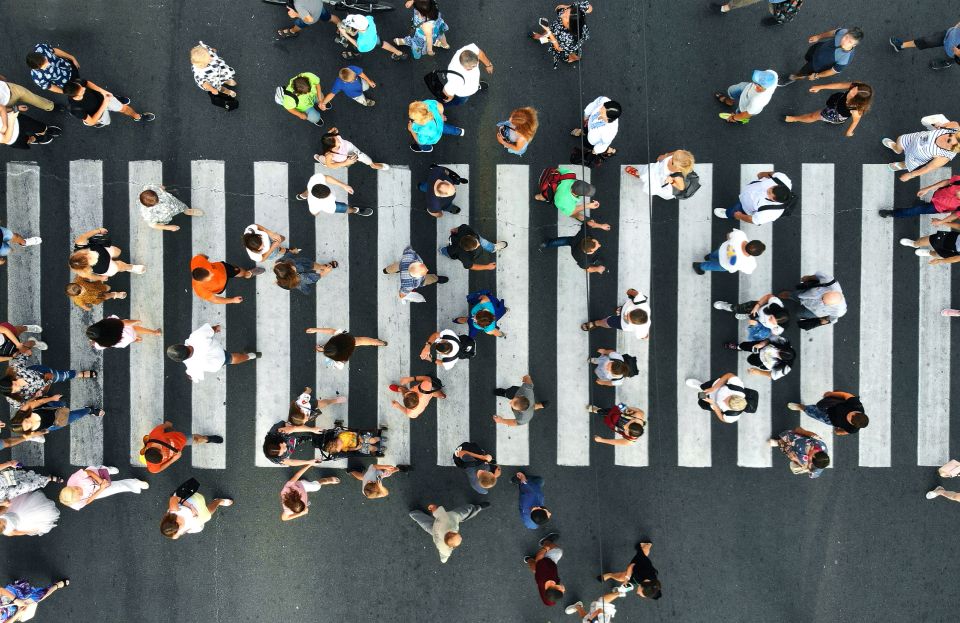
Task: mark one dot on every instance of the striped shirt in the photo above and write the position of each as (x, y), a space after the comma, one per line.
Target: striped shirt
(409, 283)
(919, 148)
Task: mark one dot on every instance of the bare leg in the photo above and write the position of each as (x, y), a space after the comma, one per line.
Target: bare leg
(392, 269)
(130, 112)
(922, 242)
(213, 506)
(953, 496)
(810, 117)
(369, 341)
(236, 358)
(389, 47)
(145, 331)
(619, 577)
(322, 269)
(430, 280)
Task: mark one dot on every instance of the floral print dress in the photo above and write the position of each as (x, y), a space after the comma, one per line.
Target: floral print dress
(800, 449)
(568, 43)
(418, 40)
(167, 207)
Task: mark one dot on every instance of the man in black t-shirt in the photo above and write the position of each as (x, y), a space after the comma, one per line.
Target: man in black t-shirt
(441, 188)
(93, 104)
(583, 249)
(640, 574)
(472, 249)
(842, 410)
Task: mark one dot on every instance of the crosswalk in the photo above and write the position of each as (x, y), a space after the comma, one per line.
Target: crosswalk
(635, 264)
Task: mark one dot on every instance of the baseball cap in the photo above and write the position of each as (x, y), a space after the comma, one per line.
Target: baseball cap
(357, 22)
(767, 78)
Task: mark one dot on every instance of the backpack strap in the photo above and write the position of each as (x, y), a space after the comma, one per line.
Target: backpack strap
(163, 444)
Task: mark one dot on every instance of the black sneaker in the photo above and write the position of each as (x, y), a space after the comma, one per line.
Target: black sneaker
(731, 346)
(553, 537)
(123, 100)
(214, 439)
(426, 149)
(706, 258)
(896, 43)
(771, 21)
(483, 86)
(147, 116)
(54, 130)
(941, 64)
(545, 403)
(885, 213)
(514, 480)
(442, 279)
(697, 269)
(364, 212)
(454, 210)
(483, 504)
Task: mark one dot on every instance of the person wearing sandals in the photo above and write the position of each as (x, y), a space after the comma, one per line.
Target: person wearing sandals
(158, 208)
(94, 258)
(303, 411)
(942, 247)
(337, 152)
(190, 515)
(599, 127)
(518, 130)
(428, 29)
(748, 98)
(210, 72)
(427, 124)
(299, 273)
(320, 199)
(305, 13)
(372, 479)
(87, 294)
(19, 599)
(95, 482)
(21, 131)
(7, 236)
(48, 414)
(112, 332)
(725, 396)
(806, 451)
(294, 496)
(414, 275)
(360, 31)
(852, 103)
(341, 345)
(22, 382)
(14, 480)
(163, 446)
(925, 151)
(11, 344)
(417, 393)
(352, 82)
(626, 422)
(632, 317)
(568, 32)
(668, 174)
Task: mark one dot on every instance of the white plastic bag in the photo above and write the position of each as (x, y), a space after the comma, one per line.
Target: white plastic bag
(930, 120)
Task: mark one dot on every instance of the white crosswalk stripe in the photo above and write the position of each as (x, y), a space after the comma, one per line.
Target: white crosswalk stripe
(455, 418)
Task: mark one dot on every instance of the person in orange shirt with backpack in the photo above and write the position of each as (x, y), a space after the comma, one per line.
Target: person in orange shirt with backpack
(210, 279)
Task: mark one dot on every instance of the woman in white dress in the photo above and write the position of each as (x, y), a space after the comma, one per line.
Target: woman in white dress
(29, 514)
(667, 174)
(91, 483)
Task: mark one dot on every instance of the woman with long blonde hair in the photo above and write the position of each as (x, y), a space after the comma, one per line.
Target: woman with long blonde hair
(516, 132)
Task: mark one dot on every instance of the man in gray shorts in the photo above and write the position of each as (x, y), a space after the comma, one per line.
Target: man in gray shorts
(523, 403)
(444, 525)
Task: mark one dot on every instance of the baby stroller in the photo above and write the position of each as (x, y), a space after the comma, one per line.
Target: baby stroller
(356, 442)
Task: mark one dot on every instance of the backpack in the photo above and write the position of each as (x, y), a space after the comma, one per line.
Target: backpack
(455, 177)
(468, 347)
(631, 362)
(280, 92)
(787, 206)
(692, 186)
(550, 179)
(469, 446)
(752, 397)
(436, 80)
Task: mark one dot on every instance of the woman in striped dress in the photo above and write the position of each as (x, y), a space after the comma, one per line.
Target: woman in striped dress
(925, 151)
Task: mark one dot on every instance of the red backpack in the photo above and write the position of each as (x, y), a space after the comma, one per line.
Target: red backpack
(550, 179)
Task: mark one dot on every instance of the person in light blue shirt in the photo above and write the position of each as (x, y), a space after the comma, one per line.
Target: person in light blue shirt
(360, 31)
(532, 511)
(948, 39)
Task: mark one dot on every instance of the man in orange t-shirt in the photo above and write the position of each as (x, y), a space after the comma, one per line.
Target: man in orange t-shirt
(164, 446)
(210, 279)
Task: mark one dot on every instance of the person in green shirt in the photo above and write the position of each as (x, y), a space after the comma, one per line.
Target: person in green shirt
(302, 96)
(569, 198)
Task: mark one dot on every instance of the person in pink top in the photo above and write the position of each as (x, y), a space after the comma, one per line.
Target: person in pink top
(294, 502)
(945, 200)
(94, 482)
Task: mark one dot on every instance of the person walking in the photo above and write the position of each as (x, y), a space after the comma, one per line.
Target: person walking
(19, 599)
(568, 194)
(821, 300)
(417, 392)
(518, 130)
(948, 40)
(427, 124)
(945, 201)
(52, 68)
(567, 33)
(599, 127)
(189, 515)
(762, 200)
(11, 344)
(479, 466)
(341, 345)
(781, 11)
(670, 177)
(112, 332)
(87, 294)
(158, 208)
(842, 410)
(943, 247)
(924, 152)
(337, 152)
(612, 367)
(12, 94)
(445, 348)
(21, 131)
(601, 610)
(737, 254)
(163, 446)
(301, 97)
(210, 279)
(853, 102)
(202, 354)
(485, 311)
(294, 496)
(300, 273)
(444, 525)
(8, 235)
(320, 199)
(440, 188)
(830, 53)
(414, 275)
(15, 480)
(360, 31)
(212, 74)
(626, 422)
(640, 575)
(463, 74)
(94, 483)
(304, 409)
(22, 381)
(262, 244)
(805, 450)
(523, 402)
(352, 82)
(372, 479)
(633, 316)
(92, 104)
(725, 396)
(428, 29)
(28, 514)
(533, 513)
(543, 565)
(771, 357)
(748, 99)
(765, 317)
(306, 13)
(583, 248)
(282, 441)
(48, 414)
(472, 250)
(96, 258)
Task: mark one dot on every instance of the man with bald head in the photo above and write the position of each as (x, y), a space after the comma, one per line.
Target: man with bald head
(414, 274)
(444, 525)
(821, 300)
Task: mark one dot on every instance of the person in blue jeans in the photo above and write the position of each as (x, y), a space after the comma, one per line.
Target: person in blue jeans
(532, 511)
(48, 414)
(427, 125)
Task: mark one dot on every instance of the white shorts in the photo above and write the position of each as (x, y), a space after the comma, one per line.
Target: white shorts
(555, 554)
(606, 615)
(113, 105)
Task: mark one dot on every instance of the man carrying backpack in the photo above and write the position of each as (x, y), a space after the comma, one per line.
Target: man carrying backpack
(302, 96)
(560, 186)
(763, 200)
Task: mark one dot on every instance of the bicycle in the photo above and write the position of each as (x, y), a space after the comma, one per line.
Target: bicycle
(361, 6)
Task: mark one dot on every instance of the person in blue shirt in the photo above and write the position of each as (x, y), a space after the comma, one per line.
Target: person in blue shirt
(352, 82)
(360, 31)
(829, 54)
(948, 39)
(532, 511)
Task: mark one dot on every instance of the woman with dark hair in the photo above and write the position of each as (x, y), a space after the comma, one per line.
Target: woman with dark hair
(11, 344)
(188, 516)
(299, 273)
(771, 357)
(294, 502)
(518, 130)
(445, 348)
(428, 30)
(262, 244)
(48, 414)
(853, 102)
(303, 411)
(626, 422)
(567, 32)
(112, 332)
(22, 382)
(337, 152)
(96, 259)
(806, 451)
(19, 599)
(341, 345)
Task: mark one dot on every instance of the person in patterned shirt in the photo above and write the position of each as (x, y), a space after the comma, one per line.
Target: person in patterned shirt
(51, 68)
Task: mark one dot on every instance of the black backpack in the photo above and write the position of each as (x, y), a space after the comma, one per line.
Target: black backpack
(469, 446)
(631, 362)
(752, 397)
(468, 347)
(436, 80)
(692, 186)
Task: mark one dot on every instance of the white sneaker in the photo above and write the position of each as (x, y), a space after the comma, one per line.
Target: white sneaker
(38, 439)
(384, 166)
(907, 242)
(572, 608)
(694, 383)
(741, 316)
(723, 306)
(500, 246)
(935, 493)
(33, 328)
(924, 252)
(720, 213)
(32, 240)
(113, 470)
(896, 166)
(795, 406)
(138, 269)
(144, 485)
(38, 344)
(625, 588)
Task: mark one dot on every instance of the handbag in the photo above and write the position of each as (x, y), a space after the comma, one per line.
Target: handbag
(187, 489)
(100, 239)
(224, 101)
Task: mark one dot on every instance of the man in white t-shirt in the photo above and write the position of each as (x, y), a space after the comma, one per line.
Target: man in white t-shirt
(631, 317)
(320, 199)
(201, 353)
(749, 98)
(736, 254)
(761, 201)
(464, 79)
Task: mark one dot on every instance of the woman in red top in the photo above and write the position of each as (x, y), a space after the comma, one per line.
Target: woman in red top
(544, 567)
(164, 446)
(946, 198)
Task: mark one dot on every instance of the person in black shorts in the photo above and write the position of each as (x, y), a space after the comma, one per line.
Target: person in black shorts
(942, 247)
(93, 104)
(948, 40)
(473, 250)
(441, 190)
(640, 575)
(842, 410)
